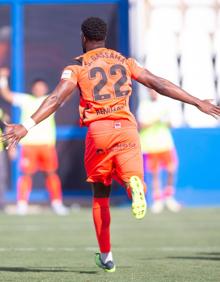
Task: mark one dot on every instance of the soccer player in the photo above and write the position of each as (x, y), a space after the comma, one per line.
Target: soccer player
(38, 150)
(158, 151)
(112, 143)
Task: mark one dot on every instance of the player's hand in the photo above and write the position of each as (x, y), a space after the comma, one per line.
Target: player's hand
(207, 107)
(13, 134)
(4, 72)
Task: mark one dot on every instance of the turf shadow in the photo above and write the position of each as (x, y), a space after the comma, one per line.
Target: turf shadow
(32, 269)
(195, 258)
(210, 253)
(86, 272)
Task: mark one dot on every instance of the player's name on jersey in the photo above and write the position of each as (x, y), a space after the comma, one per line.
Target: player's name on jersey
(109, 110)
(107, 55)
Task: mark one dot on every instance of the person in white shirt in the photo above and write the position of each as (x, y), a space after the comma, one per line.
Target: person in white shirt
(158, 151)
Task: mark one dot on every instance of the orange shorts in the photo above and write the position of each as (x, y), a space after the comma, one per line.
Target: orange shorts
(113, 151)
(38, 157)
(166, 160)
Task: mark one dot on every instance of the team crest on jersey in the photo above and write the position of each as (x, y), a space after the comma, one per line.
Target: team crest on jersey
(66, 74)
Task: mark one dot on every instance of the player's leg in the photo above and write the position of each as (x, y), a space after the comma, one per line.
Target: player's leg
(170, 165)
(53, 185)
(158, 203)
(23, 193)
(153, 166)
(102, 220)
(24, 185)
(169, 188)
(48, 162)
(129, 168)
(98, 164)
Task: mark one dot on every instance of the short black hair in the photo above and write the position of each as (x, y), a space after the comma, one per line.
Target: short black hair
(94, 29)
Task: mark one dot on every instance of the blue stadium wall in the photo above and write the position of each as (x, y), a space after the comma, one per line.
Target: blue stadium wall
(198, 179)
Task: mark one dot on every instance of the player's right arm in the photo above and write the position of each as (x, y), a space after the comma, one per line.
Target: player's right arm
(4, 88)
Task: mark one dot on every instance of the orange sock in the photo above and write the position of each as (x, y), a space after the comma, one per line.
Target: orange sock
(128, 190)
(24, 188)
(54, 187)
(169, 191)
(102, 219)
(157, 195)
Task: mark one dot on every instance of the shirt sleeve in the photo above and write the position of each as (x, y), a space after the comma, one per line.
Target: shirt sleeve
(70, 73)
(135, 68)
(20, 99)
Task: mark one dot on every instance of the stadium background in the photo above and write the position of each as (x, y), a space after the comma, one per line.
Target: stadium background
(38, 38)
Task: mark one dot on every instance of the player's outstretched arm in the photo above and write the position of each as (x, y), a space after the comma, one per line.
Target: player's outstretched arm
(169, 89)
(4, 88)
(15, 132)
(63, 90)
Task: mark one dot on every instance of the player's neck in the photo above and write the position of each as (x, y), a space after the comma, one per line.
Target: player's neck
(92, 45)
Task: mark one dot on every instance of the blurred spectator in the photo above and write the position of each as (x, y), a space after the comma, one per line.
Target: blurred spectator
(158, 151)
(38, 148)
(4, 45)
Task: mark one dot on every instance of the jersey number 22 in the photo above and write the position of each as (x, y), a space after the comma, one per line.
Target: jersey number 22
(103, 81)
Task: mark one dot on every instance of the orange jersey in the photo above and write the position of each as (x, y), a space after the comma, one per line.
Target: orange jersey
(104, 79)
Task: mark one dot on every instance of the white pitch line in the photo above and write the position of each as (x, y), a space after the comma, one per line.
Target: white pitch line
(63, 249)
(33, 228)
(122, 249)
(48, 249)
(17, 249)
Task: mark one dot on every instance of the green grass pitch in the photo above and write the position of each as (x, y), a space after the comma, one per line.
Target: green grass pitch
(167, 247)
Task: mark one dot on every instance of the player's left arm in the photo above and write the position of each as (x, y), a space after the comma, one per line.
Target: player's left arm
(171, 90)
(17, 131)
